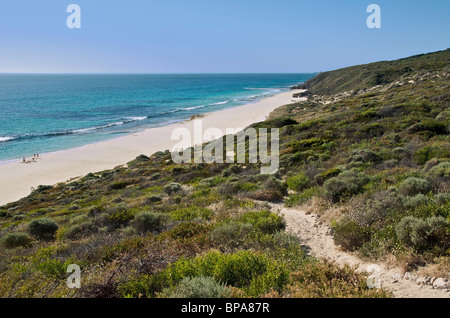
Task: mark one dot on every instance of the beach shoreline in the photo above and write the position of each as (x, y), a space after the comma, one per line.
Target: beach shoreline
(18, 179)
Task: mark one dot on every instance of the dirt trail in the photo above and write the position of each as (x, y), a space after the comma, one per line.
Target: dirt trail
(318, 241)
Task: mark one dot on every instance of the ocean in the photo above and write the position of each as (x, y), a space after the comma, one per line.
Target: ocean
(46, 113)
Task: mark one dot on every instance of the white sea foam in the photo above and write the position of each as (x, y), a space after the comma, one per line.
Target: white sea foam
(221, 103)
(136, 118)
(198, 107)
(3, 139)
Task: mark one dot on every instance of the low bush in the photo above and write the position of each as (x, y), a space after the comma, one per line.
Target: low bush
(191, 213)
(233, 234)
(444, 116)
(255, 273)
(148, 222)
(442, 198)
(347, 183)
(432, 233)
(350, 235)
(416, 201)
(431, 152)
(154, 198)
(399, 153)
(440, 170)
(43, 229)
(301, 198)
(324, 176)
(16, 239)
(285, 239)
(413, 186)
(431, 127)
(364, 155)
(79, 230)
(378, 207)
(298, 182)
(197, 287)
(118, 185)
(326, 280)
(118, 215)
(264, 221)
(172, 188)
(187, 230)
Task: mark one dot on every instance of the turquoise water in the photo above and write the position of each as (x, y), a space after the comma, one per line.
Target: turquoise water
(45, 113)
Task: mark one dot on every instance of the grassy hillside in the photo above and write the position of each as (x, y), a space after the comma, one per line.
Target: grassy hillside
(361, 77)
(375, 164)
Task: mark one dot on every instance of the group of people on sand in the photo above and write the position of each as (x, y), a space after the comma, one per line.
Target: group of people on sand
(35, 156)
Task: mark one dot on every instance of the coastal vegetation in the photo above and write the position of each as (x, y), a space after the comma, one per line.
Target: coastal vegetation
(369, 152)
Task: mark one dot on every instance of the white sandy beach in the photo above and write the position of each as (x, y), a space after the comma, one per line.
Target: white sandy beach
(17, 179)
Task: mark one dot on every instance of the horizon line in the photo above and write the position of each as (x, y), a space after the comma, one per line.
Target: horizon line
(144, 73)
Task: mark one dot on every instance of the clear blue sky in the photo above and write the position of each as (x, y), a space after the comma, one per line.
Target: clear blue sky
(207, 36)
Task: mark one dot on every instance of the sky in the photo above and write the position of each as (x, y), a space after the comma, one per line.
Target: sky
(214, 36)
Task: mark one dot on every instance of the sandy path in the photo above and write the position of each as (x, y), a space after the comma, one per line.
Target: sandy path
(317, 239)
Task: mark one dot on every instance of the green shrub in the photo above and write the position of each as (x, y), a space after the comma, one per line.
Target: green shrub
(172, 188)
(198, 287)
(256, 273)
(324, 176)
(301, 198)
(388, 200)
(119, 215)
(285, 240)
(364, 155)
(444, 116)
(432, 127)
(232, 234)
(379, 206)
(17, 239)
(148, 221)
(415, 201)
(432, 151)
(78, 230)
(350, 235)
(187, 230)
(191, 213)
(265, 221)
(327, 280)
(442, 198)
(399, 153)
(440, 170)
(413, 186)
(347, 183)
(432, 233)
(154, 198)
(118, 185)
(43, 228)
(272, 183)
(298, 182)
